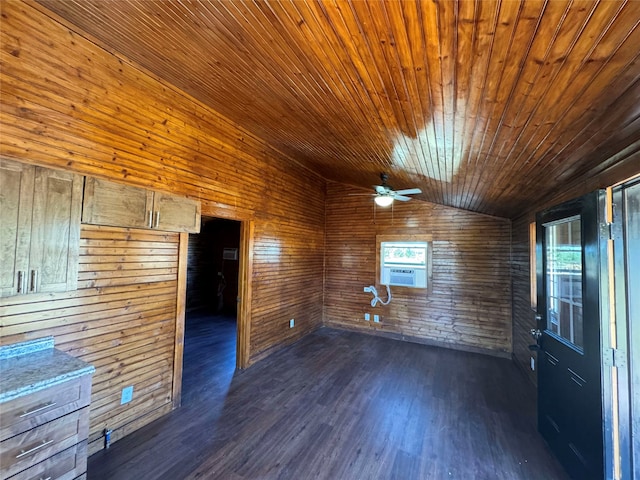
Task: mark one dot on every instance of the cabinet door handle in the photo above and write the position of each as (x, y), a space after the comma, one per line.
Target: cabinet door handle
(22, 277)
(37, 409)
(34, 449)
(157, 219)
(150, 223)
(34, 280)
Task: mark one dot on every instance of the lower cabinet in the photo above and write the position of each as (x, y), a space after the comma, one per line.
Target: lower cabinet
(70, 464)
(44, 434)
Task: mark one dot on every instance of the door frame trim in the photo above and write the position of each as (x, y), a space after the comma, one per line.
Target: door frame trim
(617, 340)
(181, 303)
(245, 275)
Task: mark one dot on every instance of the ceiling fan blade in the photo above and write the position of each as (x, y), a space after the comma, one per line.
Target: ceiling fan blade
(409, 191)
(361, 194)
(401, 198)
(380, 189)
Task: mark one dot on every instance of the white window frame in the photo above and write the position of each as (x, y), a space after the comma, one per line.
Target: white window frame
(425, 241)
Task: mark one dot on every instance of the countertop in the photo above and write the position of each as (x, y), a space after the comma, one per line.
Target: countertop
(35, 365)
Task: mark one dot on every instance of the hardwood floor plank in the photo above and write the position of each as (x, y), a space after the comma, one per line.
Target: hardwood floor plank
(337, 405)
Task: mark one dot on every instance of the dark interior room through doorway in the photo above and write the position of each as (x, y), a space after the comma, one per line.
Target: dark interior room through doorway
(211, 305)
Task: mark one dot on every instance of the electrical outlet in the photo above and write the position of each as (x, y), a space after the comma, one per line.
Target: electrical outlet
(127, 395)
(533, 363)
(376, 318)
(292, 323)
(367, 317)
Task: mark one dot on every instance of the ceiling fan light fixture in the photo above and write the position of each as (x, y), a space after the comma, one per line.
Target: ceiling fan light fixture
(383, 200)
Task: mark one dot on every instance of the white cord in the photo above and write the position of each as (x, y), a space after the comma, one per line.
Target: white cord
(376, 298)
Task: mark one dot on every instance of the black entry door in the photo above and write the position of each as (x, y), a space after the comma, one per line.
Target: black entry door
(569, 388)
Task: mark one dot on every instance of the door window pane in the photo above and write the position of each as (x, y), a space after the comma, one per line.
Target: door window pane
(564, 279)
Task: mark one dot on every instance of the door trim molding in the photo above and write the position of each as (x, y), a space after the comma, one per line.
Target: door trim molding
(181, 302)
(243, 344)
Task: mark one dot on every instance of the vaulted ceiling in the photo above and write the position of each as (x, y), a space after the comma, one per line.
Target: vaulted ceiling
(484, 105)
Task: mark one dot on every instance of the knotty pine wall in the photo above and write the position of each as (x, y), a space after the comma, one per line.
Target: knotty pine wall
(69, 104)
(121, 320)
(469, 306)
(523, 315)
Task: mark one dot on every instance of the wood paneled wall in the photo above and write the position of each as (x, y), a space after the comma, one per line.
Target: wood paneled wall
(121, 320)
(68, 104)
(469, 305)
(523, 315)
(201, 286)
(286, 283)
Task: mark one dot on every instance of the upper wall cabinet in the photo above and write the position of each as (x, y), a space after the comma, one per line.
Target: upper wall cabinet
(39, 229)
(108, 203)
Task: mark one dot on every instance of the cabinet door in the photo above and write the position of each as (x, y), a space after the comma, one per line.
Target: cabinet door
(108, 203)
(16, 193)
(176, 214)
(55, 231)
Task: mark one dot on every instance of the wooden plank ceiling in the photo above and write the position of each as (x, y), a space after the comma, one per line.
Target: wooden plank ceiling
(484, 105)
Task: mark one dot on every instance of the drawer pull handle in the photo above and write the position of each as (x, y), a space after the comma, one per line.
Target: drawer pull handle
(34, 449)
(38, 409)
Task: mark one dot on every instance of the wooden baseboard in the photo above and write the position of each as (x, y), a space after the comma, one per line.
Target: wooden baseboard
(123, 431)
(423, 341)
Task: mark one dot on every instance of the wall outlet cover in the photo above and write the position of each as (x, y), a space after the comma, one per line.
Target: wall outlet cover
(367, 317)
(292, 323)
(376, 318)
(127, 395)
(533, 363)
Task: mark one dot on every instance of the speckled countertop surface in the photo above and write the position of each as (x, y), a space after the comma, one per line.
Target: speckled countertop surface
(31, 366)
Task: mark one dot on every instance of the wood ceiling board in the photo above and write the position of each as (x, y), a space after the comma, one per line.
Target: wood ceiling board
(484, 105)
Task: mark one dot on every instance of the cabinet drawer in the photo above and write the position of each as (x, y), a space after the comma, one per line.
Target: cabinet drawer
(23, 413)
(22, 451)
(66, 465)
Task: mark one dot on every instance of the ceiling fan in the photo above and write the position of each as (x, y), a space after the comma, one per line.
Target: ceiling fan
(385, 194)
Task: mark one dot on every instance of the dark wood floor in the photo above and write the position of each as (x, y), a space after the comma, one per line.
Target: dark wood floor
(338, 405)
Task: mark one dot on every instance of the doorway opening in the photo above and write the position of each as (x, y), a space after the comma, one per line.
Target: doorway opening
(214, 278)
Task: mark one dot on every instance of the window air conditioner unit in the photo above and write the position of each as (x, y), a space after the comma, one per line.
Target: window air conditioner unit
(404, 277)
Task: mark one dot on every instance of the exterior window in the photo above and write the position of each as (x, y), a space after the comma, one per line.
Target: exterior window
(564, 279)
(404, 263)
